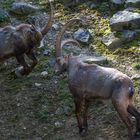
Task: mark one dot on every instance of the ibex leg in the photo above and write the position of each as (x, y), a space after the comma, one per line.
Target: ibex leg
(26, 68)
(31, 56)
(85, 115)
(133, 111)
(121, 108)
(78, 107)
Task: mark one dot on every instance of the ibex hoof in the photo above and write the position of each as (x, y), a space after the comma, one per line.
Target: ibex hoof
(83, 131)
(18, 73)
(137, 134)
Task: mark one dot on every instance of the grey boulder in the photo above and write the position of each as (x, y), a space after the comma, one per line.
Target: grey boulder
(132, 3)
(22, 8)
(125, 20)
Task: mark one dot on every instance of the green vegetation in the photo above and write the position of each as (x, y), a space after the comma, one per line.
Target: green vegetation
(6, 4)
(136, 65)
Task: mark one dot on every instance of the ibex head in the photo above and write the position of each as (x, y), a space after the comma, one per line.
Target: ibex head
(62, 61)
(29, 33)
(36, 34)
(61, 64)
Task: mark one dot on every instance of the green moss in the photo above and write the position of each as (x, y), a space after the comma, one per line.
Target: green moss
(4, 18)
(64, 94)
(6, 4)
(104, 8)
(137, 10)
(136, 84)
(100, 48)
(43, 115)
(136, 65)
(131, 52)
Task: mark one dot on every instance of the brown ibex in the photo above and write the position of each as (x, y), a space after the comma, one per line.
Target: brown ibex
(90, 81)
(20, 40)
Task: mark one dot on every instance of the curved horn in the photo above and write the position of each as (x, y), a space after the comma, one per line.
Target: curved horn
(60, 35)
(67, 41)
(50, 22)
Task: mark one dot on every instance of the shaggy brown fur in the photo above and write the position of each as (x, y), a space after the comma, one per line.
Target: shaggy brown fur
(20, 40)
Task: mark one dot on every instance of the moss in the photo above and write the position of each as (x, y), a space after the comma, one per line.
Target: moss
(104, 8)
(136, 84)
(43, 115)
(64, 94)
(137, 10)
(4, 18)
(6, 4)
(136, 65)
(100, 48)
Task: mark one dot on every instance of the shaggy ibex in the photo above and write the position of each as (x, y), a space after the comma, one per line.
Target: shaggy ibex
(90, 81)
(20, 40)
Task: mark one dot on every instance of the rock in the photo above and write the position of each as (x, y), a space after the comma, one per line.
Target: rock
(125, 20)
(22, 8)
(63, 110)
(18, 72)
(67, 110)
(116, 4)
(56, 26)
(112, 42)
(132, 3)
(46, 52)
(115, 40)
(44, 74)
(82, 36)
(127, 35)
(52, 62)
(39, 20)
(131, 9)
(42, 19)
(4, 16)
(59, 111)
(58, 124)
(92, 5)
(137, 31)
(38, 84)
(136, 77)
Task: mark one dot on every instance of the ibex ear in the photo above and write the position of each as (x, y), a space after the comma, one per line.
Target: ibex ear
(66, 58)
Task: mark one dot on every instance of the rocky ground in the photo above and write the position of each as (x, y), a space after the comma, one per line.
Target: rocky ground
(39, 106)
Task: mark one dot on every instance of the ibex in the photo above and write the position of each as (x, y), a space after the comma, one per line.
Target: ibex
(20, 40)
(90, 81)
